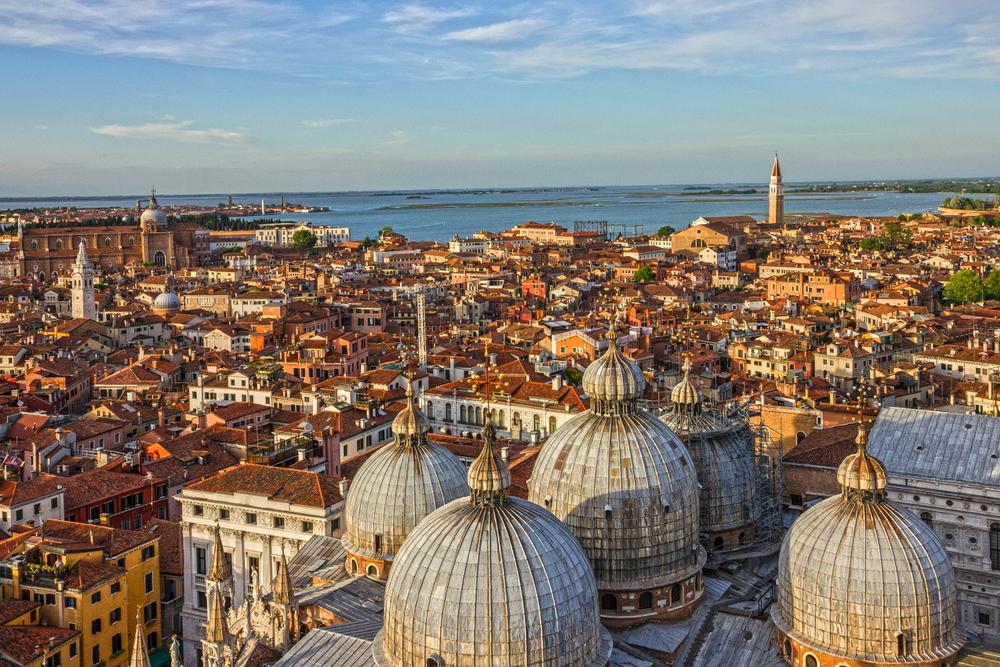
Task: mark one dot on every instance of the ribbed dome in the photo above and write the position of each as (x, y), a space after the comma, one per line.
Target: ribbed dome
(410, 421)
(491, 580)
(397, 487)
(167, 301)
(636, 467)
(613, 377)
(860, 471)
(685, 395)
(856, 570)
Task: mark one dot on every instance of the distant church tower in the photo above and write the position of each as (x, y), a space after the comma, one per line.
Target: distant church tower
(776, 195)
(83, 286)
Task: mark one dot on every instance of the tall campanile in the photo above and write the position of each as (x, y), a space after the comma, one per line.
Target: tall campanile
(776, 195)
(82, 286)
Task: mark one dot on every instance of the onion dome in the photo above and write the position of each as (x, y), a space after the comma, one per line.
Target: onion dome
(167, 301)
(410, 421)
(863, 579)
(626, 486)
(686, 397)
(216, 627)
(281, 588)
(613, 378)
(491, 580)
(153, 216)
(396, 488)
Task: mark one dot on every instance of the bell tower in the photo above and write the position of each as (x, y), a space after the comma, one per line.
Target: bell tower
(776, 195)
(82, 281)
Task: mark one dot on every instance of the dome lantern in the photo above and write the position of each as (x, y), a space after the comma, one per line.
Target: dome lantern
(489, 476)
(614, 383)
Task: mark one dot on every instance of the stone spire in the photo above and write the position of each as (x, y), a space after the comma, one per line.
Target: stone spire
(776, 170)
(140, 656)
(220, 571)
(282, 587)
(216, 627)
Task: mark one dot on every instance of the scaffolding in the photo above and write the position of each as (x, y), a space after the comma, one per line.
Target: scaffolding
(609, 231)
(740, 471)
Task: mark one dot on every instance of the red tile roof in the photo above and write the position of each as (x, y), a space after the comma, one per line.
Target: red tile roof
(114, 541)
(27, 643)
(85, 575)
(95, 485)
(171, 551)
(298, 487)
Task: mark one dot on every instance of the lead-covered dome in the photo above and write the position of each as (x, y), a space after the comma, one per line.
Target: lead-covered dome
(395, 489)
(863, 579)
(626, 487)
(492, 580)
(167, 301)
(153, 216)
(613, 377)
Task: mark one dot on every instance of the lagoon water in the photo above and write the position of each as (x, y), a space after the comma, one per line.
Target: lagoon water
(441, 215)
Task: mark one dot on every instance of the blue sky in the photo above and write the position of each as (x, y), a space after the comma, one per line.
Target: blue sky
(110, 96)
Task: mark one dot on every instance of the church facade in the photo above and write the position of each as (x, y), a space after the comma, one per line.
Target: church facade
(48, 254)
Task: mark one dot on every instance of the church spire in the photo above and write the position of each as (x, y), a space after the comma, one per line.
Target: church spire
(776, 170)
(82, 286)
(776, 195)
(140, 656)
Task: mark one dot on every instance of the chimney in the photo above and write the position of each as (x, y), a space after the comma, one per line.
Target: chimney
(105, 519)
(35, 463)
(833, 397)
(302, 451)
(504, 452)
(343, 484)
(161, 417)
(557, 382)
(972, 343)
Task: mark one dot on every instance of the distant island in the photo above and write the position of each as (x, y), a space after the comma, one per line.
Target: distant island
(989, 186)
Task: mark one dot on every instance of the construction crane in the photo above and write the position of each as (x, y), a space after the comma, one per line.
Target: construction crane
(420, 291)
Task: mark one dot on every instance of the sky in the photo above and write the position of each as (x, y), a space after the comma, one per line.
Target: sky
(213, 96)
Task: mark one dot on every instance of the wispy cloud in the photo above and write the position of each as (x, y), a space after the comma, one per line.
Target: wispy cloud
(412, 18)
(399, 138)
(178, 132)
(41, 127)
(498, 32)
(326, 122)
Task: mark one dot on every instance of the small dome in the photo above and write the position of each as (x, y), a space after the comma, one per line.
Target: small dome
(862, 579)
(410, 421)
(613, 377)
(167, 301)
(494, 580)
(398, 486)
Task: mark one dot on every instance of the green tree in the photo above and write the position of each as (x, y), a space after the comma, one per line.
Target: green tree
(991, 286)
(369, 242)
(901, 217)
(665, 231)
(872, 243)
(303, 239)
(644, 275)
(385, 230)
(895, 237)
(763, 253)
(964, 287)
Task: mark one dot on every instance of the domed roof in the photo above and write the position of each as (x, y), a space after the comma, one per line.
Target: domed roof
(686, 396)
(153, 214)
(614, 376)
(398, 486)
(857, 572)
(494, 580)
(625, 485)
(167, 301)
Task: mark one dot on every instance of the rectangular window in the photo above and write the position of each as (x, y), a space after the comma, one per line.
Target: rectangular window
(50, 599)
(251, 518)
(116, 587)
(126, 524)
(95, 597)
(335, 524)
(984, 618)
(55, 503)
(149, 582)
(279, 522)
(149, 612)
(95, 626)
(115, 616)
(38, 509)
(198, 510)
(199, 557)
(307, 526)
(19, 515)
(69, 602)
(202, 600)
(149, 552)
(54, 660)
(72, 647)
(96, 654)
(116, 643)
(224, 514)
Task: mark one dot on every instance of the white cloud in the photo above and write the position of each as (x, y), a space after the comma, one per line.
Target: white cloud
(498, 32)
(412, 18)
(399, 138)
(326, 122)
(173, 132)
(41, 127)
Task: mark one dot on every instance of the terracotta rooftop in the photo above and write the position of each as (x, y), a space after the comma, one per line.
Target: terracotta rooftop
(171, 551)
(114, 541)
(14, 492)
(11, 609)
(95, 485)
(85, 575)
(298, 487)
(28, 643)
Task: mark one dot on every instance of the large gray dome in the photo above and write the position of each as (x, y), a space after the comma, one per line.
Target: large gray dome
(153, 216)
(625, 485)
(167, 301)
(491, 580)
(397, 487)
(857, 573)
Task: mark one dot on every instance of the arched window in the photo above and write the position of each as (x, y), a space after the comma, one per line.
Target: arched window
(479, 415)
(502, 423)
(927, 518)
(742, 539)
(538, 423)
(434, 662)
(717, 544)
(698, 243)
(552, 425)
(900, 644)
(799, 437)
(378, 543)
(430, 410)
(34, 245)
(354, 566)
(515, 419)
(788, 649)
(646, 601)
(493, 416)
(447, 412)
(159, 258)
(131, 241)
(58, 244)
(41, 276)
(675, 594)
(811, 661)
(107, 241)
(461, 413)
(609, 603)
(372, 571)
